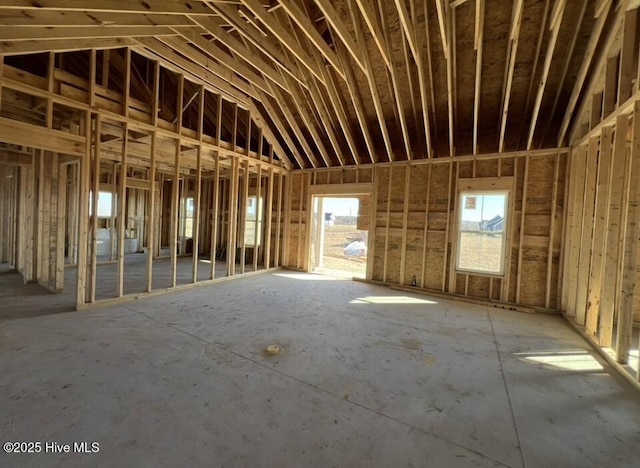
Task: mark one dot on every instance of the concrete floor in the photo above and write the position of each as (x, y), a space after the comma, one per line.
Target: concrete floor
(368, 376)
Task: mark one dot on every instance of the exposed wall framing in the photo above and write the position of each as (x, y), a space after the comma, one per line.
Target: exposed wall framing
(171, 158)
(414, 229)
(600, 262)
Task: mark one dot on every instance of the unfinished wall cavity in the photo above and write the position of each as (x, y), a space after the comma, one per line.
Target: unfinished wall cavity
(135, 176)
(414, 225)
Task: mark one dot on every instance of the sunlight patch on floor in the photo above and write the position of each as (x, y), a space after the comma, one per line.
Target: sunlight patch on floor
(571, 360)
(308, 277)
(391, 300)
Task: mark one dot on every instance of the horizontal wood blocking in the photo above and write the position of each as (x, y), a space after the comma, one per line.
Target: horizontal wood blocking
(601, 261)
(416, 228)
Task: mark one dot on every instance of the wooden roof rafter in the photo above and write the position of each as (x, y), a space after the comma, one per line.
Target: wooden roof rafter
(322, 108)
(338, 26)
(251, 58)
(308, 51)
(429, 74)
(370, 19)
(139, 7)
(356, 99)
(282, 34)
(156, 50)
(445, 21)
(602, 12)
(422, 81)
(300, 17)
(512, 50)
(266, 45)
(232, 63)
(565, 68)
(478, 45)
(394, 83)
(293, 124)
(372, 83)
(556, 20)
(302, 107)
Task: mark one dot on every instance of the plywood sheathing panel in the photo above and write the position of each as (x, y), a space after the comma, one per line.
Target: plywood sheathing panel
(415, 225)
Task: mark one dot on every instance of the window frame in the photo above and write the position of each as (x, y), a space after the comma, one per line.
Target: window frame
(259, 221)
(112, 202)
(505, 230)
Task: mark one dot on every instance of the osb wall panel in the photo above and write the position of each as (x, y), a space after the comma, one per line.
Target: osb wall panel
(543, 180)
(414, 228)
(297, 220)
(364, 208)
(479, 286)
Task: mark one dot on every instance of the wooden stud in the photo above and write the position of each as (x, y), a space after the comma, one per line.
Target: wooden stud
(196, 219)
(612, 258)
(50, 86)
(405, 219)
(233, 217)
(586, 239)
(552, 229)
(127, 82)
(96, 151)
(600, 224)
(112, 221)
(425, 238)
(628, 56)
(564, 236)
(299, 254)
(215, 217)
(576, 231)
(83, 217)
(242, 220)
(58, 284)
(92, 78)
(505, 292)
(1, 79)
(173, 230)
(268, 220)
(596, 110)
(387, 222)
(122, 218)
(610, 87)
(279, 241)
(151, 213)
(257, 234)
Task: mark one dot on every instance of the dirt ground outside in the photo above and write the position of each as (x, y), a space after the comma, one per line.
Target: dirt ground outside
(480, 251)
(336, 238)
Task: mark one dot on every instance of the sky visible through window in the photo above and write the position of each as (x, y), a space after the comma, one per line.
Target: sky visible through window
(484, 208)
(341, 206)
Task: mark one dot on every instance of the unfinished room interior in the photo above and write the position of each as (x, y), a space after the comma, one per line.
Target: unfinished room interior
(171, 180)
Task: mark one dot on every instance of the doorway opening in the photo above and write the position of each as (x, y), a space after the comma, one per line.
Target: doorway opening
(340, 236)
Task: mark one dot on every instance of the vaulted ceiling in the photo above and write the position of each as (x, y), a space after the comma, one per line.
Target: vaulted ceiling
(344, 82)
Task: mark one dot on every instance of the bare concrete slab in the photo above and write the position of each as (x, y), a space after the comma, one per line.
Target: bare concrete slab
(367, 376)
